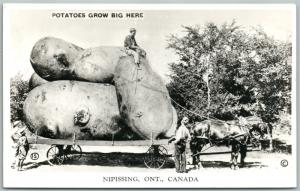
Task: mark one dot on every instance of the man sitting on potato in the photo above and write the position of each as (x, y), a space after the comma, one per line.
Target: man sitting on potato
(132, 48)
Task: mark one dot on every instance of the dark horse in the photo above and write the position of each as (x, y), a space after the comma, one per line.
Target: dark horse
(217, 132)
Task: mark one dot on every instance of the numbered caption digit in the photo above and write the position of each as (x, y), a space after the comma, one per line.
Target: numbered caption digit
(284, 163)
(34, 156)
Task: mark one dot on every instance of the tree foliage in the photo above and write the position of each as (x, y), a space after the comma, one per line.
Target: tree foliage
(19, 89)
(249, 72)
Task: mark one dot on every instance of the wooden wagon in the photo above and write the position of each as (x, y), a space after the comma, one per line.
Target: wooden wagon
(63, 149)
(70, 149)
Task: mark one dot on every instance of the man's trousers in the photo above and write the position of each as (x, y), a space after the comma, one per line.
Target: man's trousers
(180, 158)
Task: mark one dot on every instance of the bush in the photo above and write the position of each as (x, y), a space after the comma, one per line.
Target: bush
(19, 89)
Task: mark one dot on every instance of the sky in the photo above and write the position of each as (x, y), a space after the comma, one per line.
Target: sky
(24, 27)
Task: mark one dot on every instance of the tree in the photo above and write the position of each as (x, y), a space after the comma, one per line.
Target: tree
(19, 89)
(247, 72)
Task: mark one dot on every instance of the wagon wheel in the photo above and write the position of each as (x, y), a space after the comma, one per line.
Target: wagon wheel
(55, 155)
(73, 152)
(155, 157)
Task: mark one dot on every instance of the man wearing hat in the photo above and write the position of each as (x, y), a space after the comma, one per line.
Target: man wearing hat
(182, 136)
(132, 48)
(22, 149)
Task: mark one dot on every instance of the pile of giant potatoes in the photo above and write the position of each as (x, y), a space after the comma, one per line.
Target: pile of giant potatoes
(95, 93)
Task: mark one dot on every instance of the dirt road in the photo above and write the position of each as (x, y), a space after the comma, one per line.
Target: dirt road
(106, 158)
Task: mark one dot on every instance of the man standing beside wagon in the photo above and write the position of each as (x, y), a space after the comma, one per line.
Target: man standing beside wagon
(182, 136)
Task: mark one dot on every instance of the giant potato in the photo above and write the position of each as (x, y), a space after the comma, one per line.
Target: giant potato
(52, 58)
(35, 80)
(97, 64)
(171, 132)
(56, 59)
(143, 99)
(60, 108)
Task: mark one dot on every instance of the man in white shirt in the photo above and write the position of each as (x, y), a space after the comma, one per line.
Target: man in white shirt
(182, 136)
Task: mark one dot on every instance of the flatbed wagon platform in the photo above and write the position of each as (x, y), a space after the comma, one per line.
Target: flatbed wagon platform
(66, 149)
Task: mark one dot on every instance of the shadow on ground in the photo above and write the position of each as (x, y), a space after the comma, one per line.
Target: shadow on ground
(105, 159)
(114, 159)
(34, 165)
(223, 164)
(129, 160)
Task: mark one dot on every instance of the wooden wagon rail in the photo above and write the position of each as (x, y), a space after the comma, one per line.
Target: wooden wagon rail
(46, 141)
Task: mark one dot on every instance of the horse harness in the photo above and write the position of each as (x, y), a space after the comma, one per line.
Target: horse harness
(207, 135)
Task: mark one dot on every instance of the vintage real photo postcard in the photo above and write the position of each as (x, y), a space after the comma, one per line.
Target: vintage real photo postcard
(149, 96)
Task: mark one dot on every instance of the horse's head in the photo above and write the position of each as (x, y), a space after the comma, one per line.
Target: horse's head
(261, 130)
